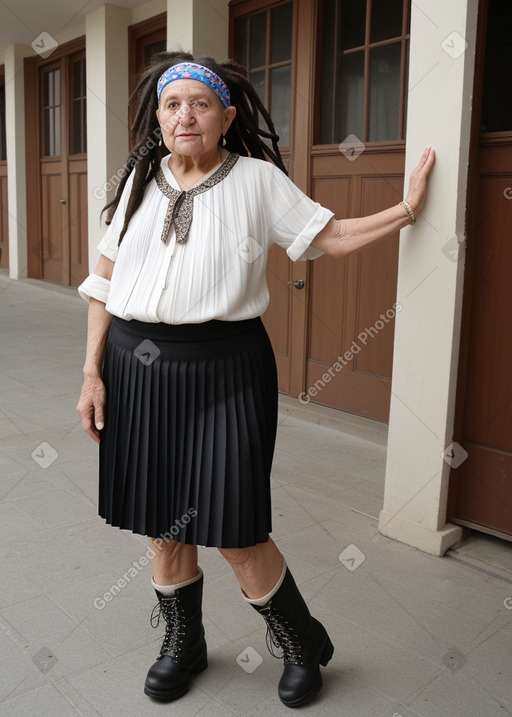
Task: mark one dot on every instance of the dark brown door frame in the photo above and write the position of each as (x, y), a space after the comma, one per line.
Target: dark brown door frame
(303, 117)
(145, 29)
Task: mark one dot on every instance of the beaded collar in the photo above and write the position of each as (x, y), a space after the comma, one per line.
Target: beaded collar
(181, 203)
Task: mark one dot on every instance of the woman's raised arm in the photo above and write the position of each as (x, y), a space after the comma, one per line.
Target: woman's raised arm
(343, 236)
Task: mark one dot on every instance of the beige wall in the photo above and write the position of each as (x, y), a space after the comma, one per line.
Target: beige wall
(199, 26)
(150, 9)
(107, 109)
(16, 167)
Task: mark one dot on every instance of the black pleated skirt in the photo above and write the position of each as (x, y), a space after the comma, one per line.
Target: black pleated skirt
(190, 427)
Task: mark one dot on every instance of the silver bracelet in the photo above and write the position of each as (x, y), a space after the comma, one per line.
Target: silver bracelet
(409, 210)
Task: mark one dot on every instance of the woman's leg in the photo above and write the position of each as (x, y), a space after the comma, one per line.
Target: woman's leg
(257, 568)
(269, 586)
(172, 562)
(178, 582)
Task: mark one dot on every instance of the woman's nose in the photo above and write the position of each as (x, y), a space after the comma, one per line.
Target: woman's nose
(184, 114)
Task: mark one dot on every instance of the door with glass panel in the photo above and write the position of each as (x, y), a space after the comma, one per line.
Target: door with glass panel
(57, 190)
(357, 165)
(343, 119)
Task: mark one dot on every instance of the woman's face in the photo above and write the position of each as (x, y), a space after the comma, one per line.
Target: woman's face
(192, 118)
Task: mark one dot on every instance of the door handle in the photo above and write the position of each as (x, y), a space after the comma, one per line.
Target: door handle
(62, 201)
(298, 283)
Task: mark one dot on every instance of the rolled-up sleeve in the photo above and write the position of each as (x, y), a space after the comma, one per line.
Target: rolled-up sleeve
(295, 219)
(300, 249)
(96, 287)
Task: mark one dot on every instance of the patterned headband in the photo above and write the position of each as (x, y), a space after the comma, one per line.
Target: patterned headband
(193, 71)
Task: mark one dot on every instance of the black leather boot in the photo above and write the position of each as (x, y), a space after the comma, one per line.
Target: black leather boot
(183, 650)
(303, 640)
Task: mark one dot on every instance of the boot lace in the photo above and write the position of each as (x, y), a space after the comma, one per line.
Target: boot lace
(172, 612)
(280, 634)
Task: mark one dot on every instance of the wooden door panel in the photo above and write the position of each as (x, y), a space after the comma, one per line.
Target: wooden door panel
(327, 317)
(349, 388)
(78, 259)
(481, 487)
(488, 404)
(328, 279)
(4, 218)
(51, 220)
(484, 495)
(352, 300)
(376, 284)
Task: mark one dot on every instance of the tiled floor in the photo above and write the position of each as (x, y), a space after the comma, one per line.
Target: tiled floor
(414, 634)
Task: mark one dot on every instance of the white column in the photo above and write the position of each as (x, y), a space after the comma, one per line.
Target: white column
(199, 26)
(106, 33)
(430, 277)
(16, 168)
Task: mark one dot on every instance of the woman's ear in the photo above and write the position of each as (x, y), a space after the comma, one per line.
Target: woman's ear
(229, 116)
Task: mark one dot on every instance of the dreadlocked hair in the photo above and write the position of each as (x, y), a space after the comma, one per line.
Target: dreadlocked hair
(245, 136)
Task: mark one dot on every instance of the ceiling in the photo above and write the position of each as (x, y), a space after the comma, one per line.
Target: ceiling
(22, 21)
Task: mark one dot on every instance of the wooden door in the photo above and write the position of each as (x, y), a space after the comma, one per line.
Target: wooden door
(357, 166)
(348, 74)
(481, 485)
(351, 324)
(4, 213)
(57, 166)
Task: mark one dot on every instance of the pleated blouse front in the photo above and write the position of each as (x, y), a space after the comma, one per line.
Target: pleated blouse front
(218, 272)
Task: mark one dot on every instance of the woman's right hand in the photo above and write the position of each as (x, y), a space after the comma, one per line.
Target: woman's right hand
(418, 181)
(90, 406)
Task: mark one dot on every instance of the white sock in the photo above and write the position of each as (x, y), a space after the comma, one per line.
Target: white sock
(169, 590)
(260, 602)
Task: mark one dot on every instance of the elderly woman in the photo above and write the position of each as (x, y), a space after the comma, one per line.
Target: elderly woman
(180, 383)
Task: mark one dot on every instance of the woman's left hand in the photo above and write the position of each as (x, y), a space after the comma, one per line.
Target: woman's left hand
(418, 181)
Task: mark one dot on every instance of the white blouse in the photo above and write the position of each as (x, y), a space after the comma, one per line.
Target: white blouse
(219, 271)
